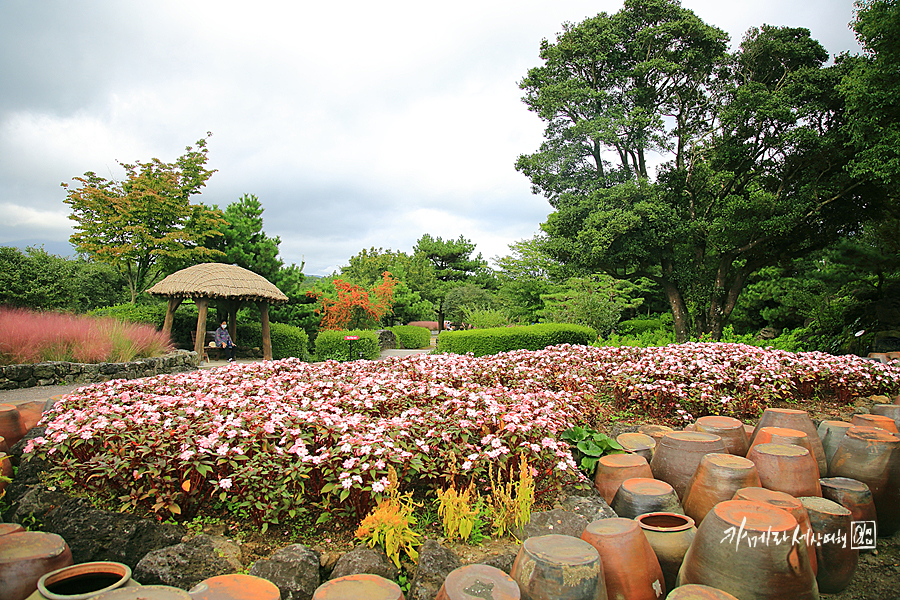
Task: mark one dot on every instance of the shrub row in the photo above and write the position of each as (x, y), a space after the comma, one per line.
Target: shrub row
(482, 342)
(412, 337)
(331, 345)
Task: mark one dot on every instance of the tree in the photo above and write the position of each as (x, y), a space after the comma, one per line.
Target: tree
(526, 274)
(596, 302)
(412, 274)
(243, 241)
(145, 223)
(464, 298)
(355, 307)
(754, 147)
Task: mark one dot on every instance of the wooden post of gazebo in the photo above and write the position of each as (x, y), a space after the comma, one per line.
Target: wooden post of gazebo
(200, 341)
(266, 337)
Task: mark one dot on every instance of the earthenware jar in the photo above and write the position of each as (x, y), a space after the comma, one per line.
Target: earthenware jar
(645, 495)
(788, 469)
(6, 470)
(881, 421)
(363, 586)
(729, 429)
(853, 495)
(717, 478)
(694, 591)
(834, 548)
(557, 567)
(637, 443)
(7, 528)
(655, 431)
(83, 581)
(11, 427)
(740, 548)
(670, 535)
(892, 411)
(235, 586)
(4, 447)
(25, 557)
(784, 435)
(790, 504)
(871, 455)
(630, 567)
(613, 469)
(478, 581)
(145, 592)
(831, 433)
(794, 419)
(678, 454)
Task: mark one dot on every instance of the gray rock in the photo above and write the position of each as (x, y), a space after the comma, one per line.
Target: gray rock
(294, 569)
(364, 559)
(31, 503)
(387, 340)
(557, 521)
(435, 563)
(187, 564)
(592, 508)
(503, 561)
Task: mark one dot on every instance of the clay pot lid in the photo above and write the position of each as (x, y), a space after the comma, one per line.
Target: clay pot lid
(765, 496)
(636, 441)
(838, 424)
(880, 421)
(623, 460)
(362, 585)
(645, 486)
(31, 545)
(719, 422)
(696, 591)
(786, 432)
(477, 581)
(786, 411)
(7, 528)
(664, 521)
(561, 550)
(689, 438)
(655, 431)
(843, 483)
(612, 527)
(780, 450)
(729, 461)
(824, 506)
(754, 516)
(871, 434)
(235, 586)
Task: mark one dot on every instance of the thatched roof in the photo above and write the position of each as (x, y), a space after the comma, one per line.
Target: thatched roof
(217, 280)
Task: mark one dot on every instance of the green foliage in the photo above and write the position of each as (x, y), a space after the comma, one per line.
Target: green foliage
(411, 336)
(646, 339)
(512, 501)
(331, 345)
(459, 513)
(243, 241)
(463, 298)
(390, 525)
(484, 318)
(287, 341)
(595, 302)
(482, 342)
(145, 225)
(638, 326)
(588, 446)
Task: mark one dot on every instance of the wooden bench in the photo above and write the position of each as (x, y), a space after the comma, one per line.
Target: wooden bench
(218, 353)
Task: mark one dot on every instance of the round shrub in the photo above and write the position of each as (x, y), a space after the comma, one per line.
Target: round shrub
(412, 337)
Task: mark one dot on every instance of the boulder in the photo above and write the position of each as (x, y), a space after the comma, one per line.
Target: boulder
(364, 559)
(557, 521)
(387, 340)
(294, 569)
(187, 564)
(503, 561)
(435, 563)
(591, 508)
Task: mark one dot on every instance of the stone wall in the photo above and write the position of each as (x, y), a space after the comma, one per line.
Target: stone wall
(65, 373)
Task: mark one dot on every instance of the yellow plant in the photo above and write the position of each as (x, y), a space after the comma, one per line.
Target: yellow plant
(513, 500)
(457, 512)
(389, 524)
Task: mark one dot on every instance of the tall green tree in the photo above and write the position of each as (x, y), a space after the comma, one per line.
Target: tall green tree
(243, 241)
(146, 223)
(753, 144)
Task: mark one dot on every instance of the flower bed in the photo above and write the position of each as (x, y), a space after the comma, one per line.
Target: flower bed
(269, 439)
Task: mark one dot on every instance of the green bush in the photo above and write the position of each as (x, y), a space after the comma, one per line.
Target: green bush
(331, 345)
(482, 342)
(412, 336)
(287, 341)
(635, 327)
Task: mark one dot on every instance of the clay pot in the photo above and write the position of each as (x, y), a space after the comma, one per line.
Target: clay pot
(4, 447)
(637, 443)
(630, 567)
(31, 413)
(748, 429)
(788, 469)
(613, 469)
(740, 548)
(853, 495)
(678, 454)
(793, 506)
(472, 581)
(694, 591)
(836, 557)
(717, 478)
(363, 585)
(879, 421)
(6, 469)
(7, 528)
(670, 535)
(11, 426)
(25, 557)
(145, 592)
(881, 357)
(644, 495)
(794, 419)
(831, 433)
(655, 431)
(891, 411)
(557, 567)
(783, 435)
(83, 581)
(235, 587)
(871, 455)
(729, 429)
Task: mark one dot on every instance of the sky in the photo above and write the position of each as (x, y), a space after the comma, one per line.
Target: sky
(357, 124)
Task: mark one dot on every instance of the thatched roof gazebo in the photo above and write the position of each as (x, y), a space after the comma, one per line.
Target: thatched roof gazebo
(229, 286)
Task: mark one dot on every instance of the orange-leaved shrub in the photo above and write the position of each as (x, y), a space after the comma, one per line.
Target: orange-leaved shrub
(32, 337)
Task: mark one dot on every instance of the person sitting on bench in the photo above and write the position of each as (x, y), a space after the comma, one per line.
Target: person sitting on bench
(223, 340)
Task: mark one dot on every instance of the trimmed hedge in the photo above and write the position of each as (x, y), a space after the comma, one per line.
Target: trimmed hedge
(482, 342)
(287, 341)
(412, 337)
(331, 345)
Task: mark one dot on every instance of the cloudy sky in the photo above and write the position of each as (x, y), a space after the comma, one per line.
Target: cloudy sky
(356, 123)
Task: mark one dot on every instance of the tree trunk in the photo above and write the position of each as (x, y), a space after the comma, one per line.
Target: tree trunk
(679, 312)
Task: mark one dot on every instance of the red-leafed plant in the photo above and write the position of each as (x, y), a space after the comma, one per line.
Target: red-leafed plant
(355, 307)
